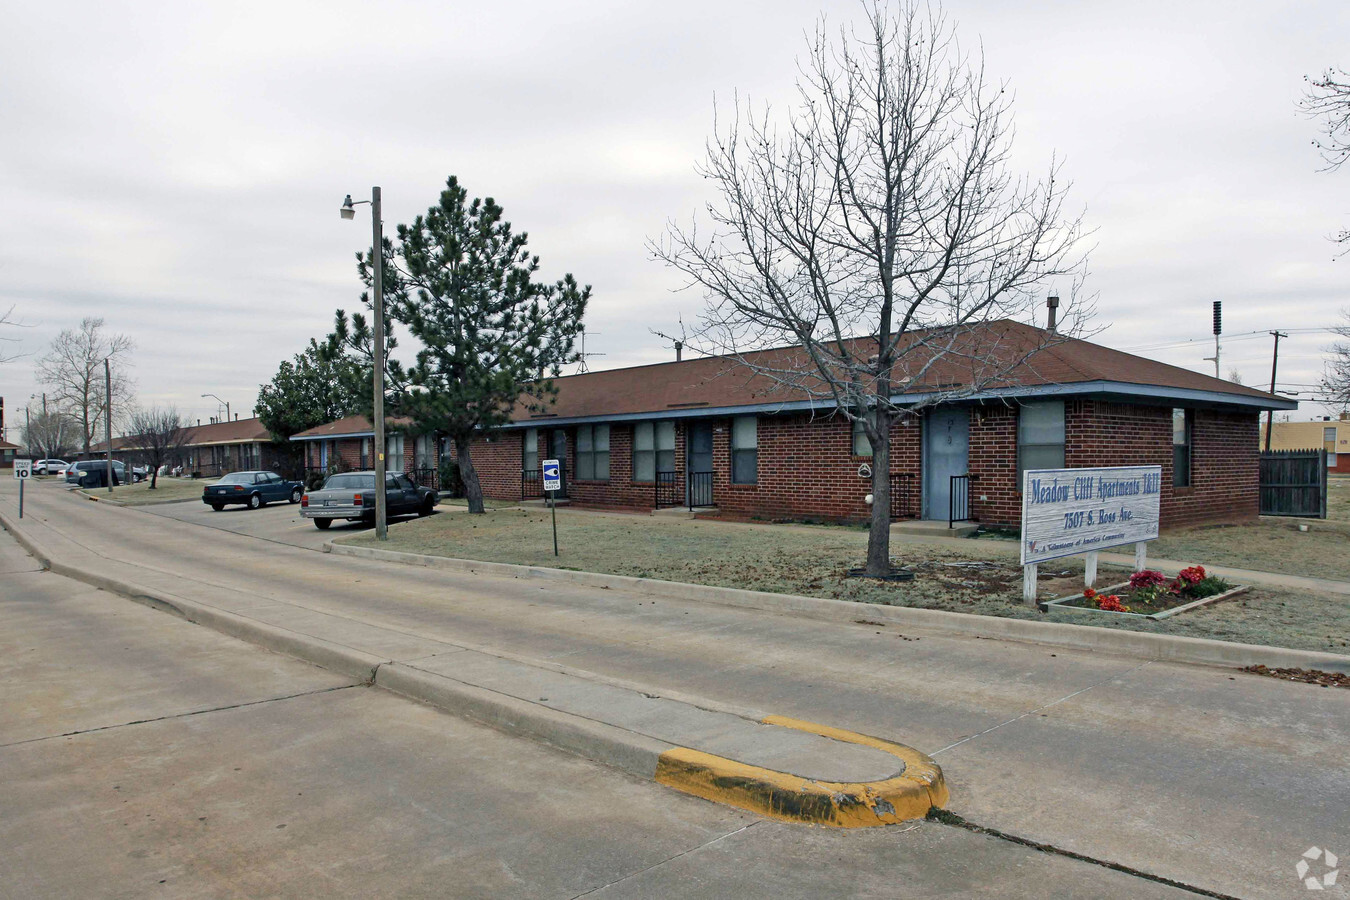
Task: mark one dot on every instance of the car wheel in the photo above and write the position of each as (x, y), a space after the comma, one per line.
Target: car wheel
(255, 501)
(217, 506)
(295, 495)
(322, 524)
(426, 507)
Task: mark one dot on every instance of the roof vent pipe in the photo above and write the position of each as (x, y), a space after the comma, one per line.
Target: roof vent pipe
(679, 350)
(236, 417)
(1052, 304)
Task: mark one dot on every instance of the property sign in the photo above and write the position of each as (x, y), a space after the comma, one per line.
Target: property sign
(552, 475)
(1068, 512)
(23, 468)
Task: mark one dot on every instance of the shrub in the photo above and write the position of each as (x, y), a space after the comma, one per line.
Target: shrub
(449, 474)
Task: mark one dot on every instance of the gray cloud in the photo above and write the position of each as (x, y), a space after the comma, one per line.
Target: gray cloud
(176, 168)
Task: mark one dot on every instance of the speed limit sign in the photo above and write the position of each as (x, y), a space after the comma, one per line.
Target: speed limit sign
(23, 470)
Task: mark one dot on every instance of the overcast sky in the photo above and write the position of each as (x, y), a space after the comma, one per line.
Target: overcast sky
(176, 168)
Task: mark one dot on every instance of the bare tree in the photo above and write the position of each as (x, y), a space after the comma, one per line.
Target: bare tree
(49, 434)
(1336, 378)
(73, 370)
(8, 321)
(157, 434)
(1328, 99)
(880, 231)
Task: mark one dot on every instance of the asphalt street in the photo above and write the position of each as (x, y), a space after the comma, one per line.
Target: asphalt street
(143, 756)
(1212, 778)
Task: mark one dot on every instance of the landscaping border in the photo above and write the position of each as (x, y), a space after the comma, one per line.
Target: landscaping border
(1166, 647)
(1062, 603)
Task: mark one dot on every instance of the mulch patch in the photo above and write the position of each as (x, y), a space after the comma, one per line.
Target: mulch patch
(1309, 676)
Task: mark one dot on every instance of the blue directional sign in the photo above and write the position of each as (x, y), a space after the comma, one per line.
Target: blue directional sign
(552, 475)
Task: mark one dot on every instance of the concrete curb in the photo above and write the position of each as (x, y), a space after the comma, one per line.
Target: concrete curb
(779, 795)
(1170, 648)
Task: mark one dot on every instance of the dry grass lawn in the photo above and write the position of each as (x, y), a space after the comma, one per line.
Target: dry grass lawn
(975, 577)
(167, 490)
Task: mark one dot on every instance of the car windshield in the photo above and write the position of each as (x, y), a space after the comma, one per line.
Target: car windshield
(350, 483)
(237, 478)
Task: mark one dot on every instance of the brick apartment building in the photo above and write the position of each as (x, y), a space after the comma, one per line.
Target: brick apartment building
(704, 433)
(215, 449)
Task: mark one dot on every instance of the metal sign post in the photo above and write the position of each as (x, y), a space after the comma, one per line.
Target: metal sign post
(552, 484)
(23, 470)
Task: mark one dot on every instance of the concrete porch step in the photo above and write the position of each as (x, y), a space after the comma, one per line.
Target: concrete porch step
(543, 504)
(934, 528)
(684, 512)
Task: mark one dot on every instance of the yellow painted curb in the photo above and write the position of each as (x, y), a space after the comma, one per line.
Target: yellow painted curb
(791, 798)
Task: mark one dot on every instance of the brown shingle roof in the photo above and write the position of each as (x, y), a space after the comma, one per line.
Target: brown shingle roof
(719, 382)
(351, 425)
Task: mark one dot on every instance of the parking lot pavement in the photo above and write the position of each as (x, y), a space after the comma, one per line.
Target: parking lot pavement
(143, 756)
(279, 522)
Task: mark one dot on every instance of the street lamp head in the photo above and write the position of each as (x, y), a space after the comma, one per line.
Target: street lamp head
(348, 210)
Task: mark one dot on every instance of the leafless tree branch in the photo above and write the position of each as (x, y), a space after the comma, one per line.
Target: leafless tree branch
(879, 230)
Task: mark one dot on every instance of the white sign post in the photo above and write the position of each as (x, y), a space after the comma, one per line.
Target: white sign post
(23, 470)
(1078, 512)
(553, 483)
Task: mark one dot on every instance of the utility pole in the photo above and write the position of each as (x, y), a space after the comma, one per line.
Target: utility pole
(1274, 362)
(377, 270)
(107, 416)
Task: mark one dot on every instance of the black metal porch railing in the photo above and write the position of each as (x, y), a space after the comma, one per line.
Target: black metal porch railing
(531, 485)
(958, 500)
(700, 489)
(666, 490)
(903, 496)
(427, 477)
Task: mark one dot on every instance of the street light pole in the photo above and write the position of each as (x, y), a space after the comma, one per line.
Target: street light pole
(377, 272)
(218, 400)
(107, 416)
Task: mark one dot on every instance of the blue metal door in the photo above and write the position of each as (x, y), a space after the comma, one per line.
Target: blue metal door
(946, 450)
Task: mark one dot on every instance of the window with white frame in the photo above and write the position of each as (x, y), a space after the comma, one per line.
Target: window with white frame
(393, 453)
(423, 449)
(653, 449)
(1040, 437)
(744, 450)
(529, 454)
(593, 453)
(1183, 424)
(365, 453)
(861, 445)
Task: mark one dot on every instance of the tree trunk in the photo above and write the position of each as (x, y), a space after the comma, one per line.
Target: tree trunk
(473, 490)
(879, 534)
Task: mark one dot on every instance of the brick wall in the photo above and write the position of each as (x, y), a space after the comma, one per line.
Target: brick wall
(497, 458)
(807, 470)
(1224, 458)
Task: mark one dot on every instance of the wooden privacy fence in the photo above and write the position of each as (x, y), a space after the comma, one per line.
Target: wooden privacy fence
(1294, 483)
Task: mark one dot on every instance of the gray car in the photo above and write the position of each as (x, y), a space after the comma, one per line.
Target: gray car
(351, 496)
(89, 472)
